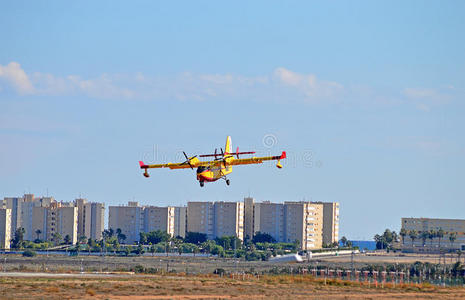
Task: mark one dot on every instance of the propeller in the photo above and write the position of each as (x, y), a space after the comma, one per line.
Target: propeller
(188, 160)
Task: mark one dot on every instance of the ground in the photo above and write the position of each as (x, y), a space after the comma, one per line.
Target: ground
(60, 277)
(77, 286)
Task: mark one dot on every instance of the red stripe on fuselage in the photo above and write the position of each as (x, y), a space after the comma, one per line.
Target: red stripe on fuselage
(203, 177)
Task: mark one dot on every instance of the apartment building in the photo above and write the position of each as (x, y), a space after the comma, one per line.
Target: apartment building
(34, 220)
(270, 219)
(453, 234)
(42, 218)
(130, 219)
(330, 222)
(62, 219)
(201, 218)
(216, 219)
(134, 219)
(249, 218)
(229, 219)
(311, 223)
(180, 221)
(14, 203)
(159, 218)
(304, 223)
(5, 228)
(90, 218)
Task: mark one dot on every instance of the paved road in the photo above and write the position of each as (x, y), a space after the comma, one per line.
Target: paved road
(70, 275)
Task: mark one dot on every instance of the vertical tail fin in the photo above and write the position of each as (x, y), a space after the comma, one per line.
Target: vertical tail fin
(228, 147)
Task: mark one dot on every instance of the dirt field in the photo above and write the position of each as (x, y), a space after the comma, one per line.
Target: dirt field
(68, 286)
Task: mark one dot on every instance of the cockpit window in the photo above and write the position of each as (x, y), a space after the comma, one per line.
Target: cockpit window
(201, 169)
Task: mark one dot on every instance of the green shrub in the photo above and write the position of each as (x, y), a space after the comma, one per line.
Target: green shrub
(219, 271)
(29, 253)
(139, 269)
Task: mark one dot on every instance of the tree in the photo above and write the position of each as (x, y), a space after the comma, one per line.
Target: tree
(440, 234)
(207, 246)
(395, 237)
(452, 238)
(229, 242)
(343, 241)
(260, 237)
(67, 239)
(413, 234)
(140, 249)
(90, 244)
(195, 238)
(120, 235)
(38, 232)
(403, 232)
(380, 242)
(157, 236)
(56, 238)
(195, 249)
(424, 235)
(431, 236)
(385, 240)
(142, 238)
(18, 241)
(82, 239)
(389, 236)
(217, 250)
(177, 243)
(78, 247)
(115, 245)
(349, 244)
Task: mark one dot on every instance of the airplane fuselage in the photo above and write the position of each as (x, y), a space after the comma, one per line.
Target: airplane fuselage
(210, 174)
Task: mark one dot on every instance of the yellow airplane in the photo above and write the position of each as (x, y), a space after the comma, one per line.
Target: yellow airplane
(209, 171)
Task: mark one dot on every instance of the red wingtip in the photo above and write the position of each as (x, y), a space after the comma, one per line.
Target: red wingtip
(141, 164)
(283, 155)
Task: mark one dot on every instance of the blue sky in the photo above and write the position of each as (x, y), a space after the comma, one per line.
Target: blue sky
(366, 97)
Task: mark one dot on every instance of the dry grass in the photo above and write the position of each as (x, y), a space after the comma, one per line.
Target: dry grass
(191, 287)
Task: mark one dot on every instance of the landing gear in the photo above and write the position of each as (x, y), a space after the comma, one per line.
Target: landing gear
(201, 183)
(227, 182)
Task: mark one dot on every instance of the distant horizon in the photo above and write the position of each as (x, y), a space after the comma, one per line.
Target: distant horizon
(367, 239)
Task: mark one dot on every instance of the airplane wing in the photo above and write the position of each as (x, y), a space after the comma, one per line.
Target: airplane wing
(256, 160)
(174, 166)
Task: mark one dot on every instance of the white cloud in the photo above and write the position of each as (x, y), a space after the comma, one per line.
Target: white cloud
(425, 98)
(280, 84)
(308, 84)
(17, 78)
(420, 93)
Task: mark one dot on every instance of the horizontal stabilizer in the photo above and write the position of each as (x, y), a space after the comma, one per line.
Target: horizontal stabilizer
(209, 155)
